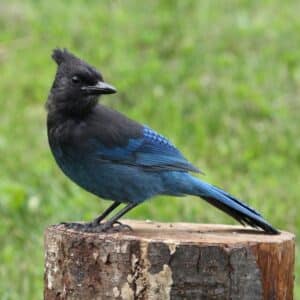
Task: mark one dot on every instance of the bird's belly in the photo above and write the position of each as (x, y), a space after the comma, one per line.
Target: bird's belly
(113, 181)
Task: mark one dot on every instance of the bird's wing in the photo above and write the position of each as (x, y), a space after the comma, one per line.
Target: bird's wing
(151, 151)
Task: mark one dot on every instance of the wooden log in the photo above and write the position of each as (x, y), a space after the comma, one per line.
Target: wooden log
(168, 261)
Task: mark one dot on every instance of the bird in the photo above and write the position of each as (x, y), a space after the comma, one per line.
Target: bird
(119, 159)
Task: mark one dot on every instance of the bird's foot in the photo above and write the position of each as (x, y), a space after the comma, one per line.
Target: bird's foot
(98, 227)
(74, 226)
(118, 226)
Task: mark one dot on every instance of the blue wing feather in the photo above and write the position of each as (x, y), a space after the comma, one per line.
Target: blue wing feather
(151, 151)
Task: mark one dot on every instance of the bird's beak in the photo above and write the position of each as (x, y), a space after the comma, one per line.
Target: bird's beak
(100, 88)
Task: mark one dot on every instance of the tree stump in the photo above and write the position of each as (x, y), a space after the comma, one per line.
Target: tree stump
(168, 261)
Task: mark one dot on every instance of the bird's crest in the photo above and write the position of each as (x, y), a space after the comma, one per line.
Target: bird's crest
(62, 55)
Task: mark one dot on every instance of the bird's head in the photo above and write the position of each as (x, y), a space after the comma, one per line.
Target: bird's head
(77, 85)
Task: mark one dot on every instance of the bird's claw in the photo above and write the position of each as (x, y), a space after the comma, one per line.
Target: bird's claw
(96, 227)
(122, 226)
(76, 226)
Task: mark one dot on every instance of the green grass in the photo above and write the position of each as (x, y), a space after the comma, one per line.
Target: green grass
(221, 79)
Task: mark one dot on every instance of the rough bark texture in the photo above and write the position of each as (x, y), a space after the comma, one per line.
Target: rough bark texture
(169, 261)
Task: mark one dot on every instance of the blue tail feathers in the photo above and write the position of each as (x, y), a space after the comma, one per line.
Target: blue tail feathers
(229, 204)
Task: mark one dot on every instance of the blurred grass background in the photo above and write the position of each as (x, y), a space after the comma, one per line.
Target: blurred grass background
(221, 79)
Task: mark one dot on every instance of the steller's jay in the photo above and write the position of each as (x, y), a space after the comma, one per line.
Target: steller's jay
(117, 158)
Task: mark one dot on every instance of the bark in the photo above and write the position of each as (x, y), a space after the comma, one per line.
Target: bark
(169, 261)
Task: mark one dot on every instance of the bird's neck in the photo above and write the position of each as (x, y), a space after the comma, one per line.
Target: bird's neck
(71, 108)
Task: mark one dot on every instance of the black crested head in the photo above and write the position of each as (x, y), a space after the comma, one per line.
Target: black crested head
(61, 56)
(77, 85)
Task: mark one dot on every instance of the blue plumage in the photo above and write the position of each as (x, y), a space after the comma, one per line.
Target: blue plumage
(116, 158)
(149, 151)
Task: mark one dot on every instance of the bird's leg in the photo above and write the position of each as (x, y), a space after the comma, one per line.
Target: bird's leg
(105, 213)
(95, 226)
(94, 223)
(109, 224)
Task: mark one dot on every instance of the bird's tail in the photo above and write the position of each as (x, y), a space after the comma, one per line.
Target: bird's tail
(230, 205)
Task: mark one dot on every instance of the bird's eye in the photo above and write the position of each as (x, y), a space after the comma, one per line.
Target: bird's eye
(75, 79)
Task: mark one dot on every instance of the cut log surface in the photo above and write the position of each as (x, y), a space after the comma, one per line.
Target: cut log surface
(169, 261)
